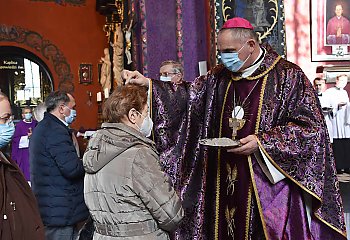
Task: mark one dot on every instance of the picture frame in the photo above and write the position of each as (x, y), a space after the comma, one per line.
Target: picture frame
(328, 43)
(331, 73)
(85, 73)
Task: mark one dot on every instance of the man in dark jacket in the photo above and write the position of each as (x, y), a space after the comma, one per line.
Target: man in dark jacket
(57, 173)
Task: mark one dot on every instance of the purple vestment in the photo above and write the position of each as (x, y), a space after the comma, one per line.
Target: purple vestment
(227, 195)
(21, 155)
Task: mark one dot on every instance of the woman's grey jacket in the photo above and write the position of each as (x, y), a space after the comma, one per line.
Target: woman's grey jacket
(127, 193)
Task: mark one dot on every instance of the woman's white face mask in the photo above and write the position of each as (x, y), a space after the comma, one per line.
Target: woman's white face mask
(146, 126)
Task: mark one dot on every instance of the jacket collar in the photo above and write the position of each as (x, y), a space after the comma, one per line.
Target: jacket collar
(130, 130)
(52, 117)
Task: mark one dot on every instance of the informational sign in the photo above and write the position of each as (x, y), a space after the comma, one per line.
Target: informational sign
(10, 65)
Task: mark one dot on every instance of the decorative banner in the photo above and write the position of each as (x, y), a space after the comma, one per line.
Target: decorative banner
(143, 37)
(266, 16)
(179, 32)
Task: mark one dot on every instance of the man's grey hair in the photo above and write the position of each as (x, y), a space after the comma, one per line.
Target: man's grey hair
(242, 34)
(55, 99)
(39, 111)
(176, 66)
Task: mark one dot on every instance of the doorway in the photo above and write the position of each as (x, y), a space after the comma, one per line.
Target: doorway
(24, 78)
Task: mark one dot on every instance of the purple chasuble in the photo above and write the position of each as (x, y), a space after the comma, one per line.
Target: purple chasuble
(236, 189)
(226, 195)
(21, 155)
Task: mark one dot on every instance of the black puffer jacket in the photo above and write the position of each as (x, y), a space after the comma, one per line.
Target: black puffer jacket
(57, 174)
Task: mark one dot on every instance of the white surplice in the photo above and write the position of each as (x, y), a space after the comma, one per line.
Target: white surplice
(339, 121)
(325, 103)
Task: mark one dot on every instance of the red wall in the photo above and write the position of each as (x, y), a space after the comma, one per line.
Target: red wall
(297, 24)
(75, 30)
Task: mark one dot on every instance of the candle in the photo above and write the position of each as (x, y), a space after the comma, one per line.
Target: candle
(99, 97)
(106, 92)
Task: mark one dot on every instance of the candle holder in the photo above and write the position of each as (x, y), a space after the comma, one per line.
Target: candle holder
(89, 101)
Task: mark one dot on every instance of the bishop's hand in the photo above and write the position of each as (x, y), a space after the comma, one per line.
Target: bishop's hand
(249, 146)
(135, 77)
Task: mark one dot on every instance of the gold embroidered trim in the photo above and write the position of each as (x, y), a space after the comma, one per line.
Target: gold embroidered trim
(237, 78)
(276, 166)
(286, 174)
(253, 184)
(261, 99)
(247, 218)
(331, 226)
(302, 187)
(231, 178)
(229, 214)
(217, 197)
(150, 89)
(257, 196)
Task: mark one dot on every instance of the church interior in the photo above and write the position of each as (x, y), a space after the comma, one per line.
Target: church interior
(82, 46)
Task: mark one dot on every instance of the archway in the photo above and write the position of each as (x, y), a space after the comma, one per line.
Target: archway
(24, 78)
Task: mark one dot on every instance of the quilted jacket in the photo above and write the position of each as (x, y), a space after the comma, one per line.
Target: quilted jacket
(127, 193)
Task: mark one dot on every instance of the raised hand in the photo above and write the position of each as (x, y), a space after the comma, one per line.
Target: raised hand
(135, 77)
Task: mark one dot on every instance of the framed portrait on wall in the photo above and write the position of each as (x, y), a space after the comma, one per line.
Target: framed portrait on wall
(85, 73)
(330, 30)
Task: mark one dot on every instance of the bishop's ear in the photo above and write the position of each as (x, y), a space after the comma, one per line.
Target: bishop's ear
(251, 43)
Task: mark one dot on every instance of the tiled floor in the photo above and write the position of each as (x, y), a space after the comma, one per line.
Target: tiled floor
(344, 180)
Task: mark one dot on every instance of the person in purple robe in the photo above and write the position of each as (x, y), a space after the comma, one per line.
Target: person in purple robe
(280, 181)
(20, 141)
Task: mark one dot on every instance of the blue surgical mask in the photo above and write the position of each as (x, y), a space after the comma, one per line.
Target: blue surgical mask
(165, 79)
(28, 116)
(69, 119)
(6, 132)
(232, 61)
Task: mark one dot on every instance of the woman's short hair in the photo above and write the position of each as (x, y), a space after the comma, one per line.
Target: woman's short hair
(122, 100)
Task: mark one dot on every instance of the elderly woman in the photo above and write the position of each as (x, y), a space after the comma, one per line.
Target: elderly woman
(127, 193)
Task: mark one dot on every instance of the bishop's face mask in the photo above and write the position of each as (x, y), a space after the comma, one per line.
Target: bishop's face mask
(231, 60)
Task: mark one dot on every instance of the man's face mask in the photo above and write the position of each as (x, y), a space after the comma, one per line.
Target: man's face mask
(165, 79)
(28, 116)
(232, 61)
(6, 132)
(71, 117)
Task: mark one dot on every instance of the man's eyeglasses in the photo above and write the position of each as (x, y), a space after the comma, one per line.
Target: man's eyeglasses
(167, 74)
(6, 119)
